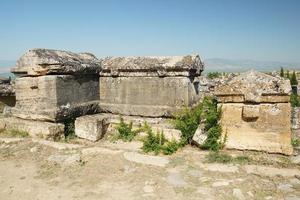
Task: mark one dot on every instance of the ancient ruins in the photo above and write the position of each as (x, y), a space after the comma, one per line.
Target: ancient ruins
(256, 112)
(53, 87)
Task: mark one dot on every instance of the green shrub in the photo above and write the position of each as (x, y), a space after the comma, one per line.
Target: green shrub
(16, 133)
(218, 157)
(158, 143)
(213, 139)
(242, 159)
(293, 79)
(188, 120)
(153, 142)
(295, 100)
(295, 142)
(171, 147)
(125, 131)
(213, 75)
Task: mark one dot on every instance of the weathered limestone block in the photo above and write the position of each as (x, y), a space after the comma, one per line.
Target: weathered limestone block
(190, 65)
(256, 113)
(269, 132)
(149, 86)
(95, 126)
(146, 96)
(37, 62)
(199, 136)
(46, 130)
(56, 97)
(91, 127)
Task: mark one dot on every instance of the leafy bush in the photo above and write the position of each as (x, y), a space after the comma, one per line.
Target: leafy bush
(153, 142)
(295, 100)
(16, 133)
(158, 143)
(188, 120)
(213, 136)
(225, 158)
(125, 131)
(295, 142)
(213, 75)
(171, 147)
(218, 157)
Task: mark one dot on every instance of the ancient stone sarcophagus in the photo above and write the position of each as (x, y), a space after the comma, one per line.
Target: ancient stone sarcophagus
(55, 85)
(256, 113)
(149, 86)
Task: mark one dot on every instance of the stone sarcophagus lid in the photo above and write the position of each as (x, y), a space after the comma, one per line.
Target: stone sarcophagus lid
(54, 85)
(256, 113)
(39, 62)
(149, 86)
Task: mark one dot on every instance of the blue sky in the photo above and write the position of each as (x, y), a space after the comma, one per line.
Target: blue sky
(233, 29)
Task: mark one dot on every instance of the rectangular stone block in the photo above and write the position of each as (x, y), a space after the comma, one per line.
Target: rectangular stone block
(146, 96)
(94, 127)
(157, 124)
(269, 130)
(56, 97)
(91, 127)
(37, 129)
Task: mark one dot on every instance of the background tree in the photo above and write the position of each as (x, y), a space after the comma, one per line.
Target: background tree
(294, 79)
(288, 74)
(281, 72)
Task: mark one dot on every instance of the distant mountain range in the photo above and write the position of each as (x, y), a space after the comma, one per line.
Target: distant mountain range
(227, 65)
(211, 64)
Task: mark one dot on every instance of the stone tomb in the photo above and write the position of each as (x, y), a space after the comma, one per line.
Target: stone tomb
(55, 85)
(51, 87)
(149, 86)
(256, 113)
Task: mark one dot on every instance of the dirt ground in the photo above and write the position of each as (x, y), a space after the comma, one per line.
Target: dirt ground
(40, 170)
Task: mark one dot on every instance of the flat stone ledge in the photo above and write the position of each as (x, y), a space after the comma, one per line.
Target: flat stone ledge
(11, 140)
(99, 151)
(271, 171)
(146, 159)
(35, 129)
(57, 145)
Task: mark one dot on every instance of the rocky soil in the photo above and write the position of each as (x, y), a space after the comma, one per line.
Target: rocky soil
(38, 169)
